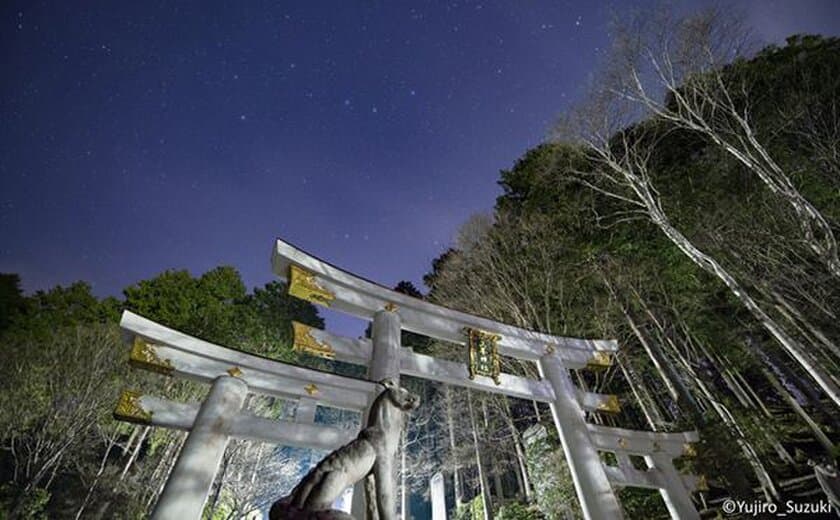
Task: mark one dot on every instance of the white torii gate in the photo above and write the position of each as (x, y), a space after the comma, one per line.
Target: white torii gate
(234, 373)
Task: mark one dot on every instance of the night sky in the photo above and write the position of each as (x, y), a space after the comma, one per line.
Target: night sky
(141, 136)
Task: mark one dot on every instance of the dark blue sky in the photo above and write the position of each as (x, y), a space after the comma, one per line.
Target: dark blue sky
(153, 135)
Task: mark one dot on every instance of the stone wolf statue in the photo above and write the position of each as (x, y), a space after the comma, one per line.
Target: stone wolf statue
(370, 456)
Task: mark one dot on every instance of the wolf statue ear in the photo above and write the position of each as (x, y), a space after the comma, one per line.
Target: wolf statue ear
(388, 383)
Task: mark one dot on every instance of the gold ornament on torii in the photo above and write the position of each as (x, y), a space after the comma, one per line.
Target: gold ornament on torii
(144, 355)
(304, 341)
(303, 285)
(484, 354)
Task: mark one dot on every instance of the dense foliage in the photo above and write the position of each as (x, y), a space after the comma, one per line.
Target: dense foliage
(64, 366)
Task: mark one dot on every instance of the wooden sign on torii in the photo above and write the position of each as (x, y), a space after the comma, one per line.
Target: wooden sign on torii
(233, 374)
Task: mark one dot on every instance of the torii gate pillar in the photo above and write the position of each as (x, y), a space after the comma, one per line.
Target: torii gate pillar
(385, 362)
(438, 496)
(385, 334)
(677, 499)
(593, 488)
(187, 487)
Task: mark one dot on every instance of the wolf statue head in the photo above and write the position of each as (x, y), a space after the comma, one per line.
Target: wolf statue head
(399, 396)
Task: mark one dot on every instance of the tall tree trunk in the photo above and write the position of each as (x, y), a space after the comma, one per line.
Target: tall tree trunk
(640, 392)
(819, 339)
(814, 427)
(788, 343)
(683, 397)
(521, 475)
(404, 495)
(633, 169)
(520, 484)
(135, 452)
(537, 414)
(766, 482)
(747, 449)
(135, 430)
(450, 421)
(164, 467)
(756, 399)
(482, 474)
(101, 510)
(653, 353)
(257, 464)
(497, 486)
(101, 469)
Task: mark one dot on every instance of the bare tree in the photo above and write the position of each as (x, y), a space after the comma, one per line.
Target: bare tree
(621, 150)
(677, 69)
(68, 382)
(253, 475)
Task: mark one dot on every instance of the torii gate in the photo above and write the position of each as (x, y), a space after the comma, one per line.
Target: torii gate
(233, 374)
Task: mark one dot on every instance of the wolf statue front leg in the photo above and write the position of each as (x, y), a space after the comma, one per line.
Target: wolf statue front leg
(371, 507)
(386, 502)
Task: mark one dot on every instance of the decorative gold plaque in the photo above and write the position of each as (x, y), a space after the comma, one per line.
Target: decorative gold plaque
(391, 307)
(235, 371)
(305, 342)
(303, 285)
(129, 409)
(600, 360)
(144, 355)
(622, 443)
(311, 388)
(484, 354)
(610, 404)
(689, 450)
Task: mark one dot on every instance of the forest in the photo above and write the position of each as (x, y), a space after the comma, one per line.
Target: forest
(687, 207)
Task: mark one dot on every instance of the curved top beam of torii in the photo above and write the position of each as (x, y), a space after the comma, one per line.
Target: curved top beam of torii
(320, 282)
